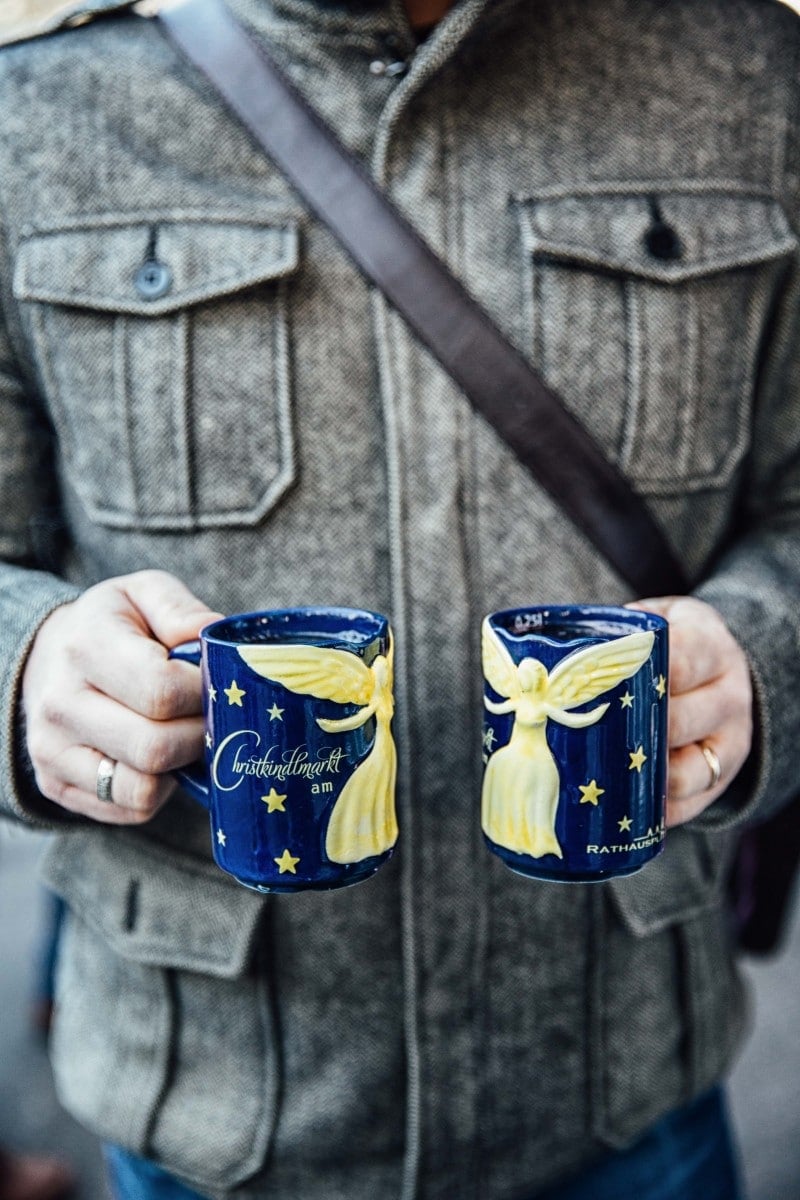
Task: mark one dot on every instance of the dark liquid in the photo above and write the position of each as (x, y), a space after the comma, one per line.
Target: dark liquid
(269, 632)
(579, 631)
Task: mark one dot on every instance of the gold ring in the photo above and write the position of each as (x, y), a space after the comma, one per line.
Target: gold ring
(105, 778)
(713, 764)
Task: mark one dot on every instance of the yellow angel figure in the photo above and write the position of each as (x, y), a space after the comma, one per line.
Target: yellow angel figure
(521, 784)
(363, 822)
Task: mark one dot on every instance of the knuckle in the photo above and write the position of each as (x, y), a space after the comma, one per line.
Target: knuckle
(38, 745)
(686, 611)
(74, 653)
(679, 674)
(152, 582)
(162, 699)
(735, 701)
(680, 779)
(51, 787)
(151, 575)
(97, 596)
(678, 726)
(153, 753)
(145, 794)
(139, 816)
(732, 703)
(52, 711)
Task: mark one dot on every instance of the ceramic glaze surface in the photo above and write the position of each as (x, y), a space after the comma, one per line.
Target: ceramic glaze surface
(575, 740)
(300, 760)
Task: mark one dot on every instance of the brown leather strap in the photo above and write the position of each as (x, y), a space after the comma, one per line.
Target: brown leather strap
(501, 385)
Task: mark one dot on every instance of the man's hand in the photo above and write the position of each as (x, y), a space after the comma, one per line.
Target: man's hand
(98, 683)
(710, 701)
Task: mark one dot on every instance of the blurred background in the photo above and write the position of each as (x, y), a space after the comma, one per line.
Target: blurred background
(765, 1087)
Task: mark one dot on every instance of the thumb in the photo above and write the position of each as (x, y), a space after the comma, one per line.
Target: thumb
(171, 611)
(660, 605)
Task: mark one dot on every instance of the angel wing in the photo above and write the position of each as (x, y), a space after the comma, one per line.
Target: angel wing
(314, 671)
(498, 665)
(586, 674)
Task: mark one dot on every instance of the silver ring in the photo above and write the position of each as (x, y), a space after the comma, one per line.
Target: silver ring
(713, 764)
(105, 778)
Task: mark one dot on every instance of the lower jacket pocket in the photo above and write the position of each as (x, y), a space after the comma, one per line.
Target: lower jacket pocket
(164, 1037)
(666, 1001)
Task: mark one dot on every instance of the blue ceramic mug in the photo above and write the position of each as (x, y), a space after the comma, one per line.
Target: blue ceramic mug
(300, 765)
(575, 740)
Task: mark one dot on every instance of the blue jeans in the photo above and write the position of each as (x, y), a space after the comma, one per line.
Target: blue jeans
(135, 1178)
(686, 1156)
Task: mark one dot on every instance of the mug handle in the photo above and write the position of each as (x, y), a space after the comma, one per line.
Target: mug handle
(193, 778)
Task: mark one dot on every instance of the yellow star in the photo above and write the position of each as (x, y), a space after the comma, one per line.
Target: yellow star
(590, 792)
(661, 687)
(274, 801)
(212, 693)
(275, 713)
(625, 824)
(286, 863)
(637, 760)
(234, 694)
(627, 700)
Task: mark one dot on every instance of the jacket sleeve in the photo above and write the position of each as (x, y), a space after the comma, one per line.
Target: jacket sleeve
(755, 584)
(30, 589)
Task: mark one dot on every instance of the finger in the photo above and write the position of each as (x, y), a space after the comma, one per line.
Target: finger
(700, 643)
(679, 812)
(689, 771)
(172, 612)
(696, 715)
(699, 651)
(70, 780)
(136, 672)
(151, 747)
(690, 789)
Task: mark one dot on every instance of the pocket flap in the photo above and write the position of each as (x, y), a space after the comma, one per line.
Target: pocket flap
(678, 885)
(715, 232)
(99, 267)
(154, 906)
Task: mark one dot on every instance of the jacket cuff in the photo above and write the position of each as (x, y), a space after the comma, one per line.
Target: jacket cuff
(26, 598)
(759, 617)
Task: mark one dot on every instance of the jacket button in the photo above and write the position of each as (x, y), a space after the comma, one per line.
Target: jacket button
(662, 241)
(152, 280)
(390, 69)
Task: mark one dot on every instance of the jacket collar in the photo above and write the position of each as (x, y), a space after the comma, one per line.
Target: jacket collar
(21, 20)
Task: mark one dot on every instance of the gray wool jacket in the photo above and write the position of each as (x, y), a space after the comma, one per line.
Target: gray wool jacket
(271, 433)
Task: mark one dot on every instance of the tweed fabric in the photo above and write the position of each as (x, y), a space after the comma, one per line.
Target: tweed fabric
(271, 433)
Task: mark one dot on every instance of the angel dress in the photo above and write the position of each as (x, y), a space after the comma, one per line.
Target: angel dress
(521, 789)
(363, 822)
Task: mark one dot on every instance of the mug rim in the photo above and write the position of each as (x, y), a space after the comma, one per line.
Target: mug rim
(574, 615)
(380, 621)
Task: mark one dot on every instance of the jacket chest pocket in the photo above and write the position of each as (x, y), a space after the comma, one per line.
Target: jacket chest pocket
(647, 314)
(164, 354)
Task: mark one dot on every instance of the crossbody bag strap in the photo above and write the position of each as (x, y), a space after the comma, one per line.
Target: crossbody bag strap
(528, 415)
